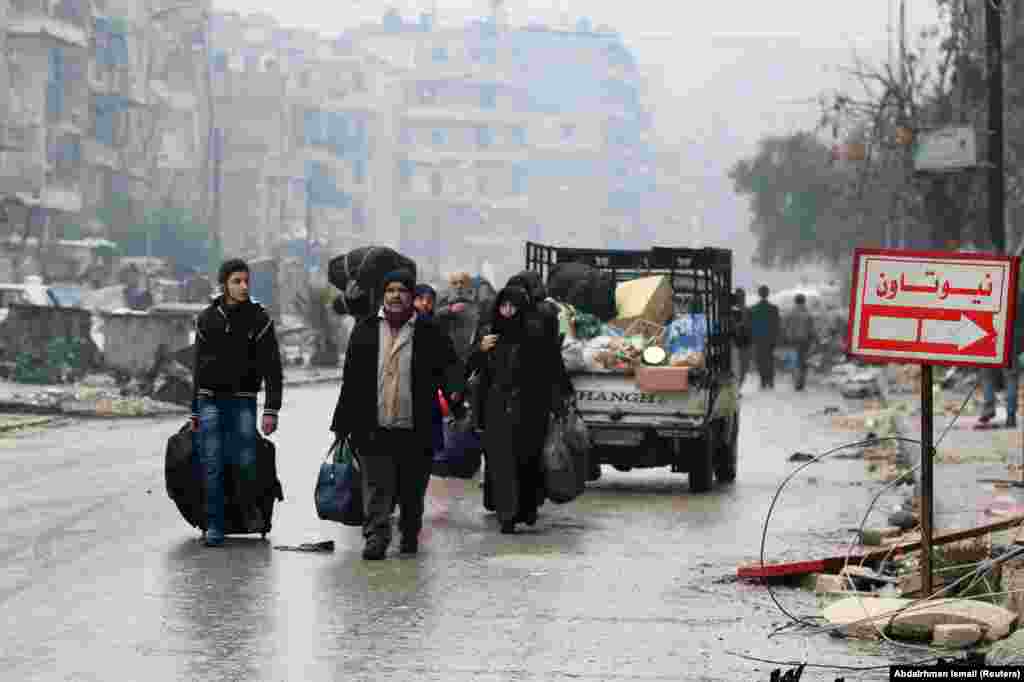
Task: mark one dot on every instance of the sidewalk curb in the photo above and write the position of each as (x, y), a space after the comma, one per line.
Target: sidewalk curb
(29, 408)
(28, 424)
(312, 381)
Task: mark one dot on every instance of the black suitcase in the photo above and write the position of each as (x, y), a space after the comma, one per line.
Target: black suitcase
(183, 476)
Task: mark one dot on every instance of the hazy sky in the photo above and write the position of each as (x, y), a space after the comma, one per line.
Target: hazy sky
(723, 73)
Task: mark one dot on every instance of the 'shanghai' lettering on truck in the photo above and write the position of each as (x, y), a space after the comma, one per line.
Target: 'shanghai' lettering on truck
(619, 397)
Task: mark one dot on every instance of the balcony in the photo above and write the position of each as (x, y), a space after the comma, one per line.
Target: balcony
(99, 155)
(249, 85)
(442, 114)
(30, 25)
(21, 172)
(65, 197)
(19, 137)
(439, 157)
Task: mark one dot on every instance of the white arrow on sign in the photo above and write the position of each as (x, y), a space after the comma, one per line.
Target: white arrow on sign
(963, 332)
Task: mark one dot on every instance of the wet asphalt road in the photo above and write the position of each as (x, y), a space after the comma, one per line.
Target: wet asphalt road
(102, 579)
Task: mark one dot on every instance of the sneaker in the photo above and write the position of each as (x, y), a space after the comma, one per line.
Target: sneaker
(1011, 422)
(375, 549)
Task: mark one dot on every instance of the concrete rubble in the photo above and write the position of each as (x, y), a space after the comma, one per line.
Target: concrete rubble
(103, 395)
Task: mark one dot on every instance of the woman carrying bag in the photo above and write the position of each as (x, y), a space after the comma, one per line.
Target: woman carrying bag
(515, 370)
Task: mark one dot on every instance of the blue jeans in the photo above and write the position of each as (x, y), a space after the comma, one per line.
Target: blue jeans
(989, 390)
(227, 438)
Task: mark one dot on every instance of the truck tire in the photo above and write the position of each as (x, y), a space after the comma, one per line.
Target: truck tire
(725, 461)
(702, 475)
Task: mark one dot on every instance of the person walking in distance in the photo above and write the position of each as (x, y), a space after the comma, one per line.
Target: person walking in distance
(765, 326)
(742, 339)
(395, 364)
(236, 351)
(801, 334)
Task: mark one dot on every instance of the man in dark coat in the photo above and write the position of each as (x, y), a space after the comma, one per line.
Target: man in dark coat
(459, 312)
(236, 352)
(395, 364)
(765, 324)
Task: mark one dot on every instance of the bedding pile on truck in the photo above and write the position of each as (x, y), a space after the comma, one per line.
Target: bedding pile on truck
(647, 337)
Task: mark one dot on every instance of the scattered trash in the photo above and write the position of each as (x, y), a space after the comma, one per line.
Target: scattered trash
(325, 546)
(903, 519)
(791, 675)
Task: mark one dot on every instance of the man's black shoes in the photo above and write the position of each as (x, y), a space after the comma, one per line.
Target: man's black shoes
(375, 549)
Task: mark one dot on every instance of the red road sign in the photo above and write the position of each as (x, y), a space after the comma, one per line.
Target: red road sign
(933, 307)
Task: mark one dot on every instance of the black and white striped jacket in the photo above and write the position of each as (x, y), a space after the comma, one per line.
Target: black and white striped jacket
(236, 353)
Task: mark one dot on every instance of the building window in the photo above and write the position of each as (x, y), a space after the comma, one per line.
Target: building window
(358, 216)
(482, 185)
(440, 54)
(436, 185)
(568, 132)
(64, 153)
(485, 55)
(110, 36)
(484, 137)
(106, 118)
(405, 135)
(72, 11)
(519, 135)
(55, 85)
(359, 81)
(519, 179)
(488, 97)
(405, 170)
(439, 137)
(359, 171)
(428, 94)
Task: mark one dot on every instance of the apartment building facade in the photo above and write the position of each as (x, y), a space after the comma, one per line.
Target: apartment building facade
(90, 116)
(508, 134)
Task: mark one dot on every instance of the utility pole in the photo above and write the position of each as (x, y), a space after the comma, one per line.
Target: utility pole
(996, 174)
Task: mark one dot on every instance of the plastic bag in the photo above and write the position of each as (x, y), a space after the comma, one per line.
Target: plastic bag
(578, 439)
(587, 326)
(688, 332)
(559, 466)
(572, 355)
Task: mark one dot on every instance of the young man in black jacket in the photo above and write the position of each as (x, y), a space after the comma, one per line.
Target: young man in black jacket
(236, 353)
(394, 366)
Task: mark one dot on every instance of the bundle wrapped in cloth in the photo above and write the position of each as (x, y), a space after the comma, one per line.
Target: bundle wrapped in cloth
(358, 274)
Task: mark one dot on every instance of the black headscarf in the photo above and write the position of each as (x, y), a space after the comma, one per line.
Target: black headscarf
(425, 290)
(513, 328)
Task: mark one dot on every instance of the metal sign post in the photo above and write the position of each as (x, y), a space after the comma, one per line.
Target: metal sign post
(927, 479)
(932, 308)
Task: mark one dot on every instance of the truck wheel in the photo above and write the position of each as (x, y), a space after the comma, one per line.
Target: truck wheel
(725, 461)
(702, 462)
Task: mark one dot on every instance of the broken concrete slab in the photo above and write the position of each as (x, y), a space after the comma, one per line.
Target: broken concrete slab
(1009, 651)
(956, 636)
(995, 621)
(826, 583)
